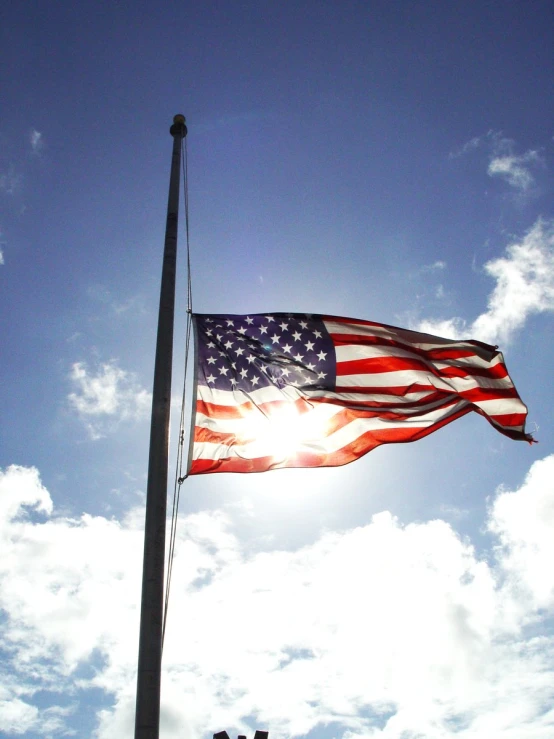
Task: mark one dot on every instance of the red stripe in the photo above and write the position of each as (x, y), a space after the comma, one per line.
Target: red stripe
(430, 398)
(356, 449)
(215, 410)
(382, 364)
(372, 365)
(203, 434)
(506, 420)
(398, 390)
(435, 354)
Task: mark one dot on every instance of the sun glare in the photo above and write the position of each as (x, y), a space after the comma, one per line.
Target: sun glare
(284, 432)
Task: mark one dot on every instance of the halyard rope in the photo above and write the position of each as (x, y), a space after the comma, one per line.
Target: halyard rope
(179, 476)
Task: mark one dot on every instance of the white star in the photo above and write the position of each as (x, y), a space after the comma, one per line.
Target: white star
(242, 331)
(309, 346)
(229, 322)
(298, 357)
(303, 324)
(233, 381)
(311, 367)
(211, 360)
(244, 373)
(241, 338)
(317, 334)
(209, 331)
(275, 339)
(283, 326)
(210, 378)
(286, 372)
(269, 319)
(239, 351)
(287, 348)
(322, 355)
(223, 370)
(249, 320)
(263, 329)
(250, 359)
(209, 320)
(255, 380)
(219, 337)
(228, 344)
(234, 365)
(221, 354)
(321, 375)
(296, 336)
(210, 345)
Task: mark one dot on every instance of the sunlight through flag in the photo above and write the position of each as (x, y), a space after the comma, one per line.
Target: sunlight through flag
(305, 390)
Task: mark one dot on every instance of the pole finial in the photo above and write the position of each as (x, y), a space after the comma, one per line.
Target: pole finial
(178, 128)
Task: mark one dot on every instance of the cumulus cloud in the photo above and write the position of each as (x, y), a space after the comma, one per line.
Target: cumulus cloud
(524, 287)
(107, 396)
(385, 630)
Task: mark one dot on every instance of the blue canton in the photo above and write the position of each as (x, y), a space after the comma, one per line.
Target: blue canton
(251, 352)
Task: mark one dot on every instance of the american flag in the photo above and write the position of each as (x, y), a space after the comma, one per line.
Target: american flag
(301, 390)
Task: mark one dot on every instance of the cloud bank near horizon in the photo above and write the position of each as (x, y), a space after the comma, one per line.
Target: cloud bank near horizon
(382, 629)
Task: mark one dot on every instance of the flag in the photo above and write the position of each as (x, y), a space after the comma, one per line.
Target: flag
(303, 390)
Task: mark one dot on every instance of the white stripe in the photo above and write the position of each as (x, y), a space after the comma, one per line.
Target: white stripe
(287, 394)
(354, 352)
(391, 403)
(405, 378)
(322, 445)
(283, 420)
(501, 406)
(422, 407)
(355, 398)
(421, 341)
(288, 420)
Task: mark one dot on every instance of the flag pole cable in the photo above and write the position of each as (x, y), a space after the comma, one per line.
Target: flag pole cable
(180, 474)
(147, 717)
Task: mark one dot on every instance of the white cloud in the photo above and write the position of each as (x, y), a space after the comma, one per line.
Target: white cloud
(388, 630)
(10, 180)
(37, 141)
(1, 257)
(438, 265)
(524, 286)
(16, 716)
(470, 145)
(504, 162)
(514, 169)
(133, 305)
(106, 397)
(523, 521)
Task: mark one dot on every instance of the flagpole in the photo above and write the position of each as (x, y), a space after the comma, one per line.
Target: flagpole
(147, 717)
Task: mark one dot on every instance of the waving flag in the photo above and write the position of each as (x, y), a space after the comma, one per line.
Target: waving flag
(301, 390)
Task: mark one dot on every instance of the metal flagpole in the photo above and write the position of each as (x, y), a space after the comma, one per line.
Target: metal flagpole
(147, 717)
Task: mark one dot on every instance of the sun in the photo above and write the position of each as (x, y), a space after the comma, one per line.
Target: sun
(283, 432)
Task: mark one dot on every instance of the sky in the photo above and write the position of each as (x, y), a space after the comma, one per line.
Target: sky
(382, 160)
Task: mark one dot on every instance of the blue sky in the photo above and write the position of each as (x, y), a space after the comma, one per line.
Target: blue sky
(381, 160)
